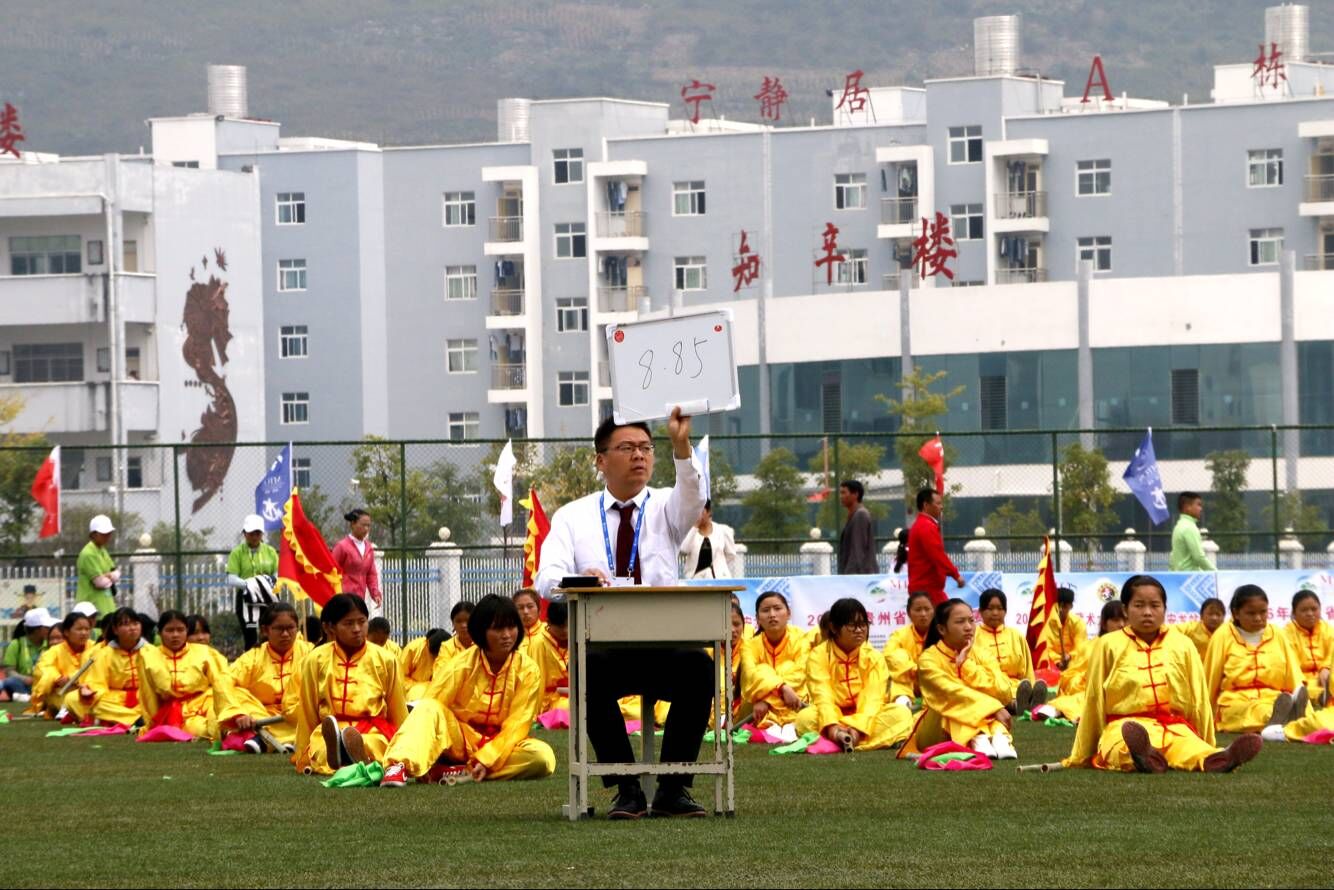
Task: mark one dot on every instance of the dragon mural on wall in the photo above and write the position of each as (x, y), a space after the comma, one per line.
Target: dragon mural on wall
(206, 321)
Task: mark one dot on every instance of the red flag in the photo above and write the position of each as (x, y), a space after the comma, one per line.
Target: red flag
(538, 526)
(818, 497)
(933, 452)
(46, 492)
(1044, 600)
(305, 565)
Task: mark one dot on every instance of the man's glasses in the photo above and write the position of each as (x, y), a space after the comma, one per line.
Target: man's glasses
(628, 448)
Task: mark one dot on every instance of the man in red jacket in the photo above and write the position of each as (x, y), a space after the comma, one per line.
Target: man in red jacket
(928, 564)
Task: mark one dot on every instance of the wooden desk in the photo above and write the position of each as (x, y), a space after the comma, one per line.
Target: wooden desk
(649, 616)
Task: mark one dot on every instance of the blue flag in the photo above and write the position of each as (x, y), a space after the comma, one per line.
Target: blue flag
(274, 490)
(1143, 480)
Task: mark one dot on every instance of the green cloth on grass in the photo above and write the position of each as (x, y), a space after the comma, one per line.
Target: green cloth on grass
(799, 746)
(356, 775)
(1057, 721)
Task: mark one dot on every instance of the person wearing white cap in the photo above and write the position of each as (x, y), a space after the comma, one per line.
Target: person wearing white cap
(83, 607)
(22, 653)
(97, 570)
(251, 568)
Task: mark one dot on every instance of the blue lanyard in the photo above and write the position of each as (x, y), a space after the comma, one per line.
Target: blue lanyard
(606, 535)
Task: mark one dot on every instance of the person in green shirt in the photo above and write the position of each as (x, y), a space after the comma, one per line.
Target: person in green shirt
(97, 570)
(23, 652)
(1187, 545)
(251, 568)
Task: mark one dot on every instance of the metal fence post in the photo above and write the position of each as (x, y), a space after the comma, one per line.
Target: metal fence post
(1273, 461)
(834, 481)
(1056, 499)
(403, 524)
(176, 503)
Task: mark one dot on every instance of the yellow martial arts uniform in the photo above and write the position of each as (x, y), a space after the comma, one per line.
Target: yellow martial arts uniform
(632, 707)
(196, 680)
(530, 637)
(125, 685)
(849, 688)
(391, 647)
(472, 714)
(263, 683)
(1315, 652)
(1161, 686)
(1074, 682)
(1063, 640)
(416, 665)
(57, 662)
(362, 690)
(959, 701)
(553, 660)
(1244, 681)
(1197, 633)
(902, 650)
(1008, 649)
(765, 668)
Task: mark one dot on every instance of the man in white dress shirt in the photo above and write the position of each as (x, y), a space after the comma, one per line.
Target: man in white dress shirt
(630, 533)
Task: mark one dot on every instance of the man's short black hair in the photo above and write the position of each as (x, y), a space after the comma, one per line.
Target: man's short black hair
(924, 497)
(558, 614)
(855, 487)
(602, 438)
(1185, 498)
(1065, 596)
(378, 624)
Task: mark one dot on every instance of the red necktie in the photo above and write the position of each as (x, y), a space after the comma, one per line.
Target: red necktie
(625, 542)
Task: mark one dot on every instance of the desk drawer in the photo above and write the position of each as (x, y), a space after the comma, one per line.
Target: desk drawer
(679, 616)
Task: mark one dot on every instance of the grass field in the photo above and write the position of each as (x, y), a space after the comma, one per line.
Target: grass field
(110, 812)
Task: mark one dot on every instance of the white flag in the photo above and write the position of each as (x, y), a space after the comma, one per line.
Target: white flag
(503, 480)
(701, 461)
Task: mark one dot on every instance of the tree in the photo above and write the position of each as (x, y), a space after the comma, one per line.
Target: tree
(385, 489)
(919, 413)
(860, 460)
(163, 534)
(722, 479)
(1226, 520)
(1087, 496)
(455, 501)
(73, 535)
(777, 509)
(567, 474)
(18, 466)
(1305, 519)
(320, 511)
(1008, 521)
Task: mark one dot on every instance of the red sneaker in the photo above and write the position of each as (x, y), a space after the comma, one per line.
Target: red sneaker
(447, 774)
(395, 776)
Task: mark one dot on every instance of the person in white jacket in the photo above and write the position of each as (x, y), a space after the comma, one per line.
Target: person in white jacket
(710, 548)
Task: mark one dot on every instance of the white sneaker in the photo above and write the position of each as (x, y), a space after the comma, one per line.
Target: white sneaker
(22, 696)
(60, 715)
(982, 745)
(1046, 711)
(904, 701)
(1004, 747)
(1273, 733)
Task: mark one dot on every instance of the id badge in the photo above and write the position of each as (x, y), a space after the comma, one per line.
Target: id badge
(622, 582)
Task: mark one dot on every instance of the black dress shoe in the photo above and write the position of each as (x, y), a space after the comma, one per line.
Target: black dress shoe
(630, 803)
(677, 802)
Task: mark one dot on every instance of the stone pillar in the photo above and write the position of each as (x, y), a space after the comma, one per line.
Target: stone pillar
(1290, 550)
(446, 562)
(741, 551)
(146, 567)
(981, 553)
(1130, 554)
(821, 554)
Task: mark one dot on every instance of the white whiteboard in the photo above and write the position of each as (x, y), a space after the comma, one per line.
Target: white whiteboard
(688, 360)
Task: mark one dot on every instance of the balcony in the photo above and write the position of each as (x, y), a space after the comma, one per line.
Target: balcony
(1319, 196)
(890, 280)
(898, 218)
(73, 299)
(507, 301)
(620, 299)
(1318, 262)
(621, 224)
(604, 373)
(1021, 205)
(1020, 275)
(81, 406)
(509, 376)
(506, 229)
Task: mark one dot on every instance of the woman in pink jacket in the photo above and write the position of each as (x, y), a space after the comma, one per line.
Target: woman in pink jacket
(355, 556)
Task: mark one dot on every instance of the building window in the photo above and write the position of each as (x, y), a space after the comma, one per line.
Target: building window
(464, 425)
(688, 198)
(48, 362)
(966, 222)
(186, 165)
(1264, 167)
(1265, 245)
(296, 407)
(849, 191)
(293, 341)
(571, 241)
(991, 401)
(853, 269)
(95, 254)
(45, 255)
(572, 388)
(1097, 248)
(569, 165)
(291, 208)
(460, 209)
(571, 314)
(460, 282)
(301, 472)
(104, 469)
(134, 471)
(966, 144)
(1186, 396)
(691, 273)
(461, 356)
(291, 275)
(1093, 177)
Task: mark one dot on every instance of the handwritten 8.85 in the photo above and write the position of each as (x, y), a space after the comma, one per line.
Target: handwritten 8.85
(682, 361)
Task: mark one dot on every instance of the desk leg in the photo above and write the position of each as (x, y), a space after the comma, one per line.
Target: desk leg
(649, 738)
(729, 754)
(578, 804)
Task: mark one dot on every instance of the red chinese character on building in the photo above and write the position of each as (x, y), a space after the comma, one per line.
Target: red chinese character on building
(771, 98)
(1268, 72)
(747, 268)
(695, 98)
(934, 248)
(854, 94)
(831, 254)
(11, 133)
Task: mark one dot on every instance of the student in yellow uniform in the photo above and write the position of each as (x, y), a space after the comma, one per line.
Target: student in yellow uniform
(1255, 675)
(196, 679)
(904, 647)
(61, 662)
(734, 673)
(419, 660)
(263, 682)
(529, 605)
(1147, 706)
(1065, 633)
(350, 695)
(126, 678)
(1313, 639)
(1074, 678)
(1212, 615)
(460, 642)
(478, 713)
(550, 652)
(1008, 648)
(773, 664)
(378, 632)
(964, 693)
(847, 680)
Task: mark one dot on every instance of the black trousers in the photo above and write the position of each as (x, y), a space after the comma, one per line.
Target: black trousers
(683, 677)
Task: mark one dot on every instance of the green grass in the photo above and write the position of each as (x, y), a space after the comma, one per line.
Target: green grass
(109, 812)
